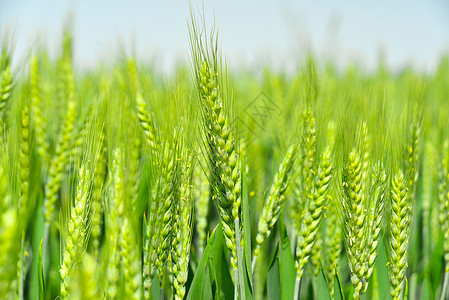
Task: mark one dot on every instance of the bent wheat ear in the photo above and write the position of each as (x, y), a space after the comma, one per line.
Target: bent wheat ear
(275, 201)
(399, 233)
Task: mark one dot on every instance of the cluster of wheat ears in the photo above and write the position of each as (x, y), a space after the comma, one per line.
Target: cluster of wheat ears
(121, 184)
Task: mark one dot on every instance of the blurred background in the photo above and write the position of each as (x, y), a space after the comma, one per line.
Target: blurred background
(252, 33)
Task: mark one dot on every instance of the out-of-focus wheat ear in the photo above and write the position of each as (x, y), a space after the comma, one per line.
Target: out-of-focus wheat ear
(275, 201)
(411, 158)
(10, 232)
(311, 219)
(365, 148)
(85, 285)
(376, 207)
(316, 255)
(147, 123)
(130, 260)
(114, 217)
(333, 242)
(201, 190)
(24, 164)
(37, 120)
(399, 233)
(184, 234)
(304, 171)
(133, 77)
(24, 206)
(59, 162)
(354, 220)
(10, 239)
(168, 188)
(6, 81)
(97, 195)
(443, 196)
(77, 232)
(151, 241)
(430, 180)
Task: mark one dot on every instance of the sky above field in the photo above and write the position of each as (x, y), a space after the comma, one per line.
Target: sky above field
(252, 33)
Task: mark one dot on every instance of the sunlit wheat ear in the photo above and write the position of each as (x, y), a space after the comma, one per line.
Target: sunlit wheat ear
(166, 207)
(224, 162)
(354, 220)
(77, 231)
(183, 237)
(276, 198)
(312, 216)
(399, 233)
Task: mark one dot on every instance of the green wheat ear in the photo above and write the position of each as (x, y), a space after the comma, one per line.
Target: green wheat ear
(275, 201)
(182, 240)
(399, 233)
(5, 89)
(313, 213)
(114, 217)
(354, 220)
(201, 197)
(36, 112)
(77, 233)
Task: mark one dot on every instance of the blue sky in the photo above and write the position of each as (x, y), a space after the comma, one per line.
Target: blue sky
(252, 33)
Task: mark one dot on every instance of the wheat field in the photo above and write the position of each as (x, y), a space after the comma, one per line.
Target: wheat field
(211, 183)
